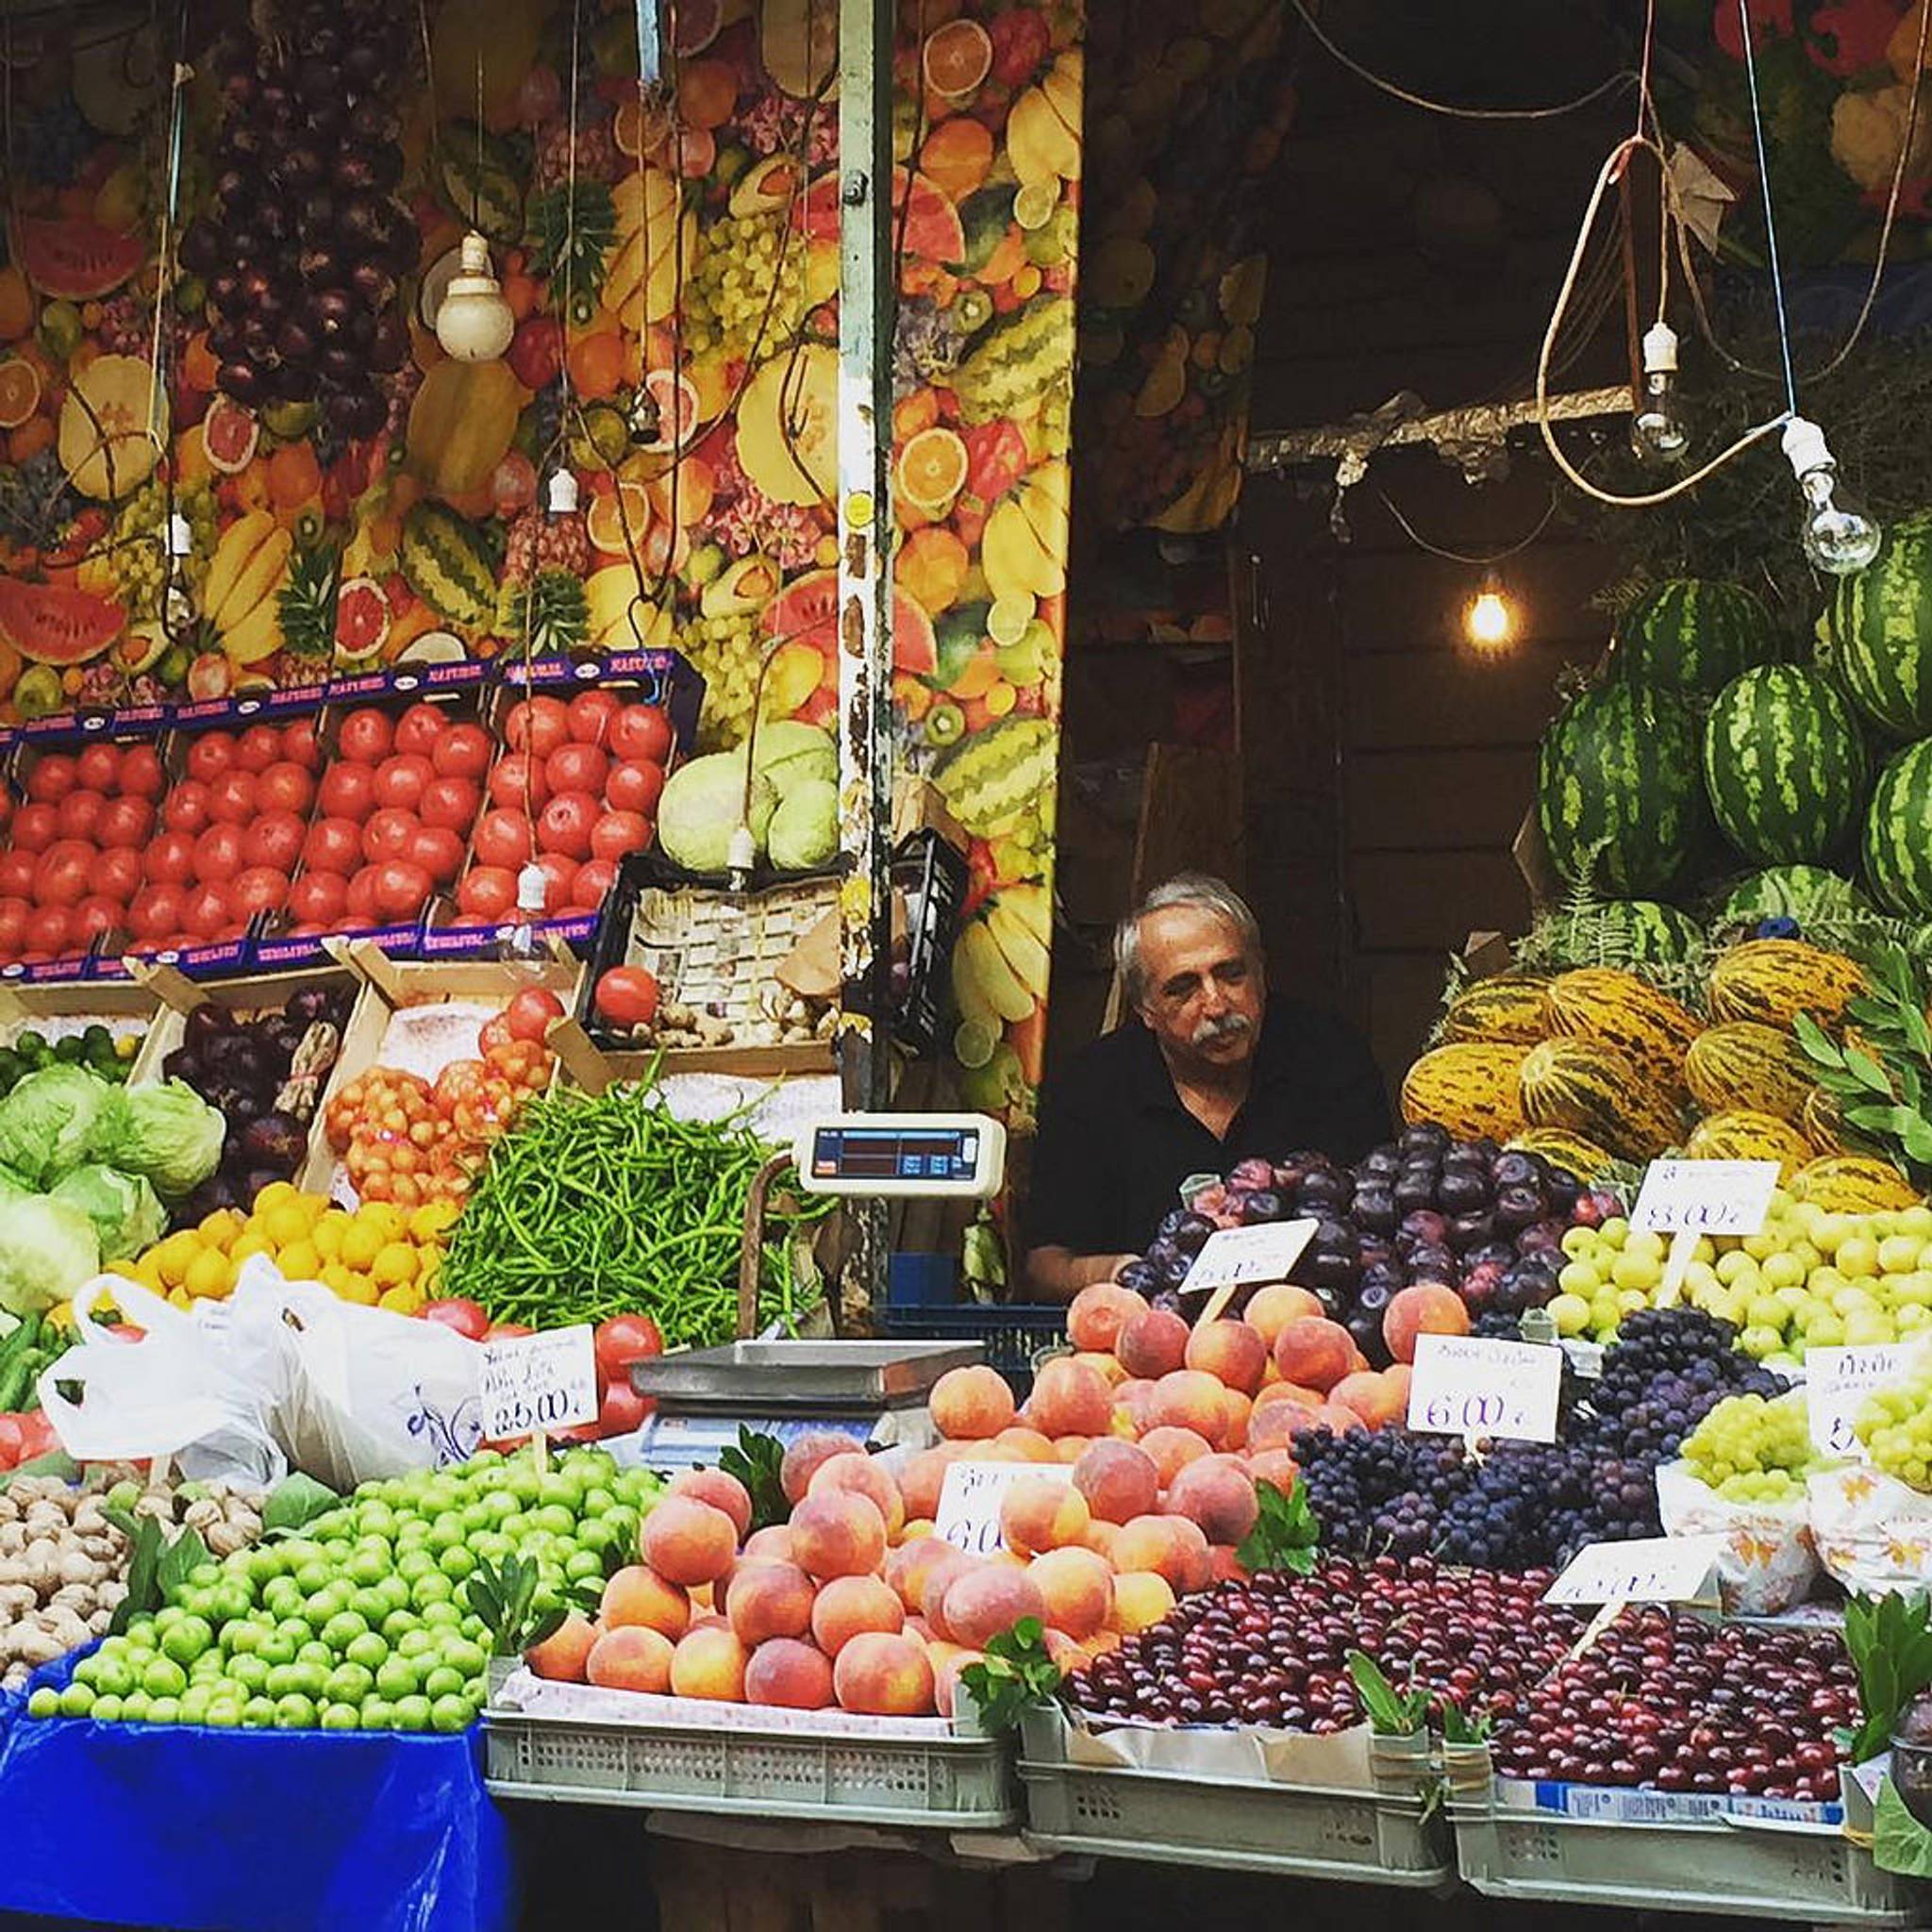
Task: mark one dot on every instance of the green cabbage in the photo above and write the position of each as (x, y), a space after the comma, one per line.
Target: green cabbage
(701, 806)
(126, 1211)
(55, 1120)
(48, 1250)
(804, 831)
(790, 753)
(11, 1185)
(170, 1134)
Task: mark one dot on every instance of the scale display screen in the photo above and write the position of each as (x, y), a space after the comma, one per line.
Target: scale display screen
(904, 1154)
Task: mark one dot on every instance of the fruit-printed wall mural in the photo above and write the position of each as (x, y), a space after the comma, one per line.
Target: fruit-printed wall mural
(1188, 109)
(355, 498)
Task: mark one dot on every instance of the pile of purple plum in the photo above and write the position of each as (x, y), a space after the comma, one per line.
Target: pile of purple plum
(1483, 1219)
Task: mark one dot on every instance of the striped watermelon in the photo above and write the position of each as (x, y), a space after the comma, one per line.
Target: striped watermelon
(1784, 765)
(1898, 833)
(1879, 632)
(1694, 635)
(1792, 892)
(1634, 932)
(1618, 793)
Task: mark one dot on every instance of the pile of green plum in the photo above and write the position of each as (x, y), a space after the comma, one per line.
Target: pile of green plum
(360, 1621)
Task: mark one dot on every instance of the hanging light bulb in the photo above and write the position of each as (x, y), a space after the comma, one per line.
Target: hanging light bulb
(519, 946)
(1838, 536)
(474, 323)
(561, 492)
(1656, 431)
(1489, 619)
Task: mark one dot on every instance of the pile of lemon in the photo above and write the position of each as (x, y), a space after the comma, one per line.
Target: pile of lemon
(380, 1256)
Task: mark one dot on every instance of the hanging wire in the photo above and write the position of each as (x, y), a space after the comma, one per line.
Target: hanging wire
(1622, 78)
(1481, 560)
(1777, 278)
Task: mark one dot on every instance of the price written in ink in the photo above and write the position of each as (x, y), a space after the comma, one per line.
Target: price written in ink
(1466, 1385)
(545, 1382)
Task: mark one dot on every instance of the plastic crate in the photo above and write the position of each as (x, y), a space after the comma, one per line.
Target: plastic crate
(1751, 1868)
(1370, 1836)
(1016, 1335)
(958, 1783)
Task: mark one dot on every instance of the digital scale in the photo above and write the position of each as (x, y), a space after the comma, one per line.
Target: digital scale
(874, 1391)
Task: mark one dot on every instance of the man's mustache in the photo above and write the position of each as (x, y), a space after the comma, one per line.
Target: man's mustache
(1227, 1027)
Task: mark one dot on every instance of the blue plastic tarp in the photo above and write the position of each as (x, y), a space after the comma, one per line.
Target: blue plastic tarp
(208, 1830)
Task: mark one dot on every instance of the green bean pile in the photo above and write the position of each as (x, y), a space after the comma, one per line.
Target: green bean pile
(595, 1206)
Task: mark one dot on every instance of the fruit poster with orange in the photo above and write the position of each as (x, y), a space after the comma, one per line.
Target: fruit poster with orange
(1187, 107)
(353, 498)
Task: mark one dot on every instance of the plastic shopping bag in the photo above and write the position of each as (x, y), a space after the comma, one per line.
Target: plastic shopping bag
(1873, 1532)
(373, 1393)
(1767, 1563)
(187, 1387)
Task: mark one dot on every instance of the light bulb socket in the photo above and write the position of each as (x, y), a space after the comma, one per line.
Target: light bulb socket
(1660, 349)
(561, 492)
(181, 537)
(533, 889)
(1805, 447)
(742, 854)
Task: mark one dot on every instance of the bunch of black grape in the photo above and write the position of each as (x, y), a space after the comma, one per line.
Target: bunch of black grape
(1379, 1492)
(1665, 1371)
(307, 243)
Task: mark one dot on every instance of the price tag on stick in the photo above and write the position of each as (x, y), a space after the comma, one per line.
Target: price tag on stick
(1837, 1381)
(1704, 1196)
(970, 1499)
(1464, 1385)
(537, 1384)
(1241, 1257)
(1651, 1570)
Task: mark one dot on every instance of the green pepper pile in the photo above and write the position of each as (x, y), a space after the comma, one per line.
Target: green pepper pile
(594, 1205)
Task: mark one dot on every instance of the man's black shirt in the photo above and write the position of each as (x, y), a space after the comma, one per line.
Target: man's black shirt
(1115, 1141)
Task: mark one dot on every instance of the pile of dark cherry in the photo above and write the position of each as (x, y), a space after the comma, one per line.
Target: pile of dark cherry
(1523, 1503)
(1659, 1699)
(1486, 1222)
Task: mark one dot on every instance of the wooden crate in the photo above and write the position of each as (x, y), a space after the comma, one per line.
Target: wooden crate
(70, 1006)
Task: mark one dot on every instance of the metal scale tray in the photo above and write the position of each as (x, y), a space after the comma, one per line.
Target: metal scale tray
(813, 1377)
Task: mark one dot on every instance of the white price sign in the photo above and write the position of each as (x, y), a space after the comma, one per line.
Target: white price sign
(1837, 1381)
(971, 1496)
(1464, 1385)
(1704, 1196)
(1651, 1570)
(1235, 1257)
(546, 1381)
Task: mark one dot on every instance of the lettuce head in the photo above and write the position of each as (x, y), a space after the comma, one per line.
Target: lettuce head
(127, 1214)
(55, 1120)
(167, 1133)
(48, 1250)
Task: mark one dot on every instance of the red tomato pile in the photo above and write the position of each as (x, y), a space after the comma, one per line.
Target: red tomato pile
(584, 777)
(227, 835)
(392, 818)
(404, 1140)
(78, 852)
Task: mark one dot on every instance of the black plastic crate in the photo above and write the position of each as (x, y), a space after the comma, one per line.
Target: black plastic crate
(1016, 1334)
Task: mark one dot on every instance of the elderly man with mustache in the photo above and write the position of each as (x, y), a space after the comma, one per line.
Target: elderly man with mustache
(1210, 1071)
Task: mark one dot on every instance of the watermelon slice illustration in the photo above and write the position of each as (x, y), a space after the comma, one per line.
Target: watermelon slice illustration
(932, 230)
(78, 261)
(808, 609)
(57, 623)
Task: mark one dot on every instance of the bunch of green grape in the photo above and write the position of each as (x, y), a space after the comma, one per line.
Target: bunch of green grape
(725, 651)
(1751, 1449)
(1895, 1425)
(136, 553)
(729, 286)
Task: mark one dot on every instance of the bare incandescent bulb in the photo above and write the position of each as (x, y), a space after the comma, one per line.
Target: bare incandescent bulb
(1656, 431)
(1839, 538)
(1489, 623)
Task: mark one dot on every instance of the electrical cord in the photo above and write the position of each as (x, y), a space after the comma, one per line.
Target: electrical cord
(1483, 561)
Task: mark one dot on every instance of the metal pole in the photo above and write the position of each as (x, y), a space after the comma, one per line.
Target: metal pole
(867, 304)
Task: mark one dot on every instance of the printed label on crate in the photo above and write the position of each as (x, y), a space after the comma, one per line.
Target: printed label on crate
(1465, 1385)
(1704, 1196)
(1234, 1256)
(1627, 1807)
(545, 1381)
(971, 1496)
(1647, 1570)
(1837, 1381)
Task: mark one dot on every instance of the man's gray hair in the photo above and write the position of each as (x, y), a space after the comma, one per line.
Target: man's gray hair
(1199, 888)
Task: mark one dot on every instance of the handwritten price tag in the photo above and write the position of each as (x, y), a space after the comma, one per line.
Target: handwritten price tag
(1704, 1196)
(1837, 1381)
(970, 1499)
(1234, 1256)
(1466, 1386)
(546, 1381)
(1651, 1570)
